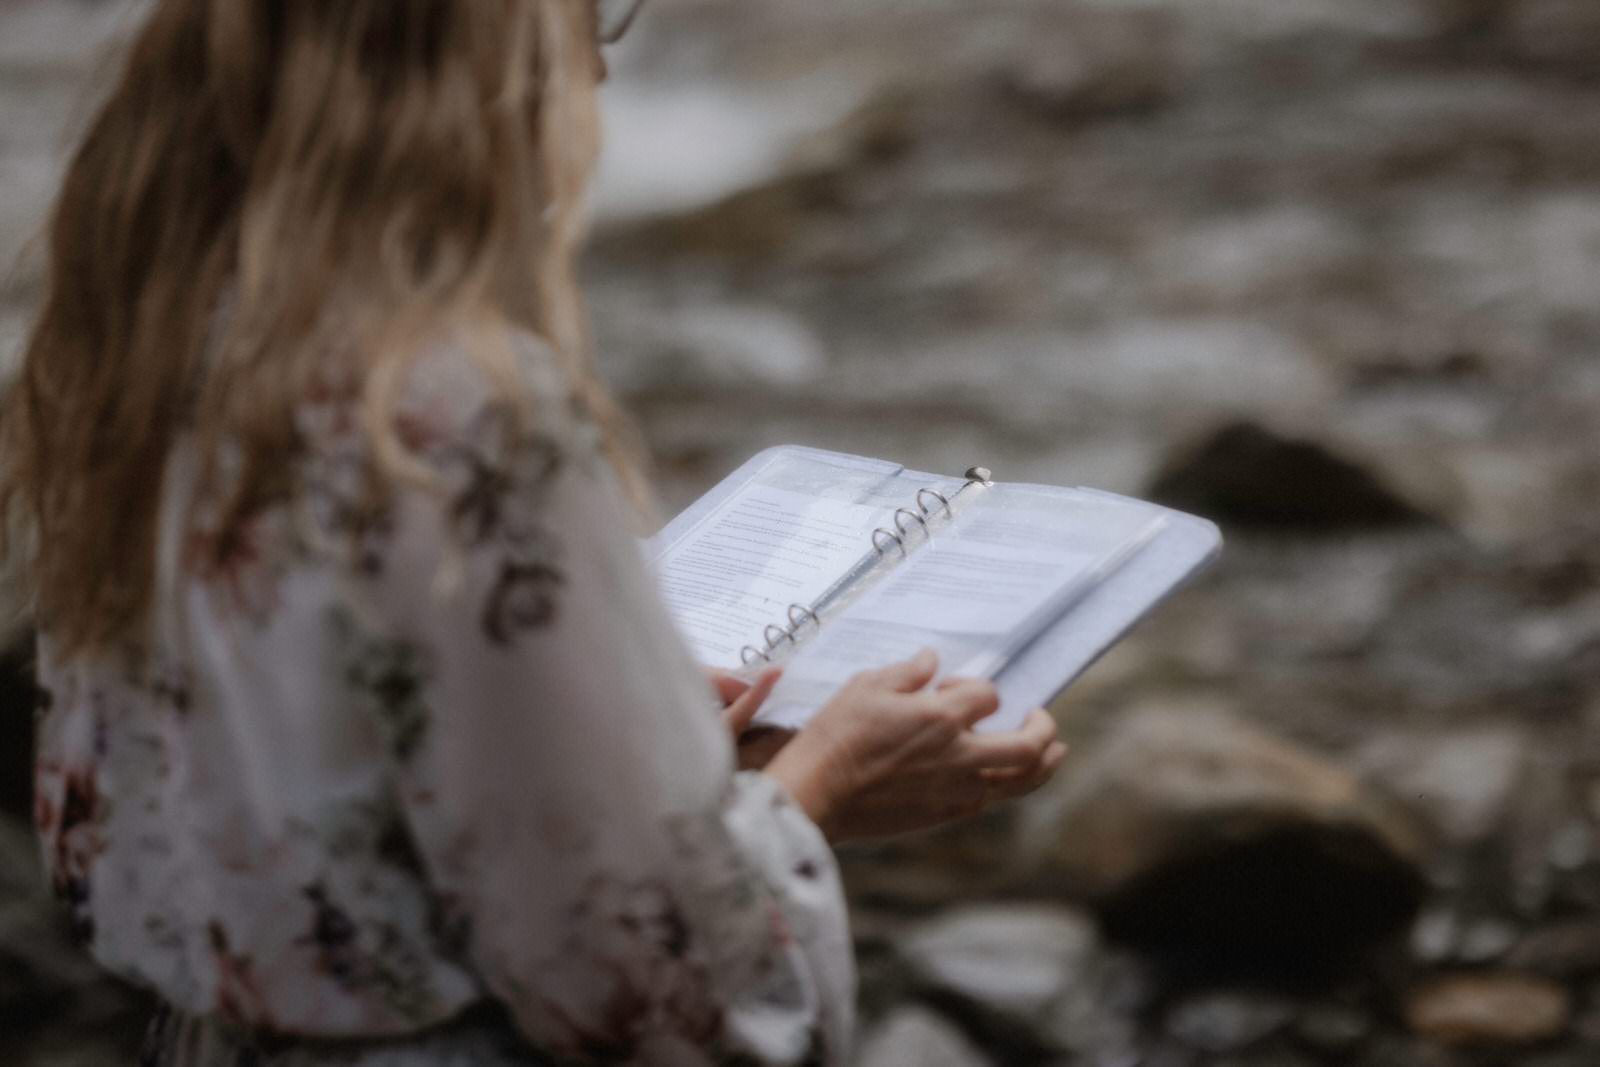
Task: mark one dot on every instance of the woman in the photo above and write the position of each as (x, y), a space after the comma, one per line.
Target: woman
(365, 738)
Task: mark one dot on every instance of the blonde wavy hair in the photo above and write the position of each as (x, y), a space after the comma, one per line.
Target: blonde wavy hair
(412, 165)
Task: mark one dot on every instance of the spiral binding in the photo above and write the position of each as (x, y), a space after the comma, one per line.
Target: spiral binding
(975, 476)
(775, 634)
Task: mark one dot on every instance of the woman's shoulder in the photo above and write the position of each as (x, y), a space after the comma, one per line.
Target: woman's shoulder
(459, 388)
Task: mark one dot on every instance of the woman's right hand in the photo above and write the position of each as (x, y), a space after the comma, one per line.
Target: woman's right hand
(890, 753)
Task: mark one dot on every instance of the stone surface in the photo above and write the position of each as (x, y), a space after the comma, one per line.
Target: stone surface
(1488, 1009)
(1248, 476)
(1435, 935)
(1334, 1028)
(1104, 68)
(1568, 949)
(1228, 1022)
(1193, 832)
(917, 1037)
(701, 347)
(1030, 977)
(1486, 940)
(1015, 960)
(1464, 782)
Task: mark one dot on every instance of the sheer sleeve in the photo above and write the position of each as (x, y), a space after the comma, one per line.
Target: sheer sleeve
(567, 782)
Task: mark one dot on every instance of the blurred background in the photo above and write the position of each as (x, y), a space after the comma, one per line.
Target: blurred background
(1326, 271)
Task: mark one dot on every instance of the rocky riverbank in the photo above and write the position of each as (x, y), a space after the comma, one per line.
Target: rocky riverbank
(1325, 270)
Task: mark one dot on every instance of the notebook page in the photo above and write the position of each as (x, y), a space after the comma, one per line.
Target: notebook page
(1012, 562)
(1070, 645)
(783, 537)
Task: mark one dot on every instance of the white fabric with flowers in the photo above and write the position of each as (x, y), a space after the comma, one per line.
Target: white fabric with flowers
(433, 781)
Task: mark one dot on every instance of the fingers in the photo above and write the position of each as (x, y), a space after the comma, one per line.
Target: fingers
(728, 686)
(742, 710)
(969, 699)
(1019, 748)
(1010, 784)
(908, 676)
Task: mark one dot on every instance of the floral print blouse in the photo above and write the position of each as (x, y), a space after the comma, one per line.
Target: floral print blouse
(378, 765)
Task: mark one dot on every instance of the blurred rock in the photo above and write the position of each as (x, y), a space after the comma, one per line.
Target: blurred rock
(1486, 940)
(1568, 949)
(1228, 1021)
(677, 147)
(1470, 18)
(1016, 961)
(1334, 1028)
(1587, 1025)
(1196, 835)
(1435, 935)
(916, 1037)
(1027, 976)
(1248, 476)
(1441, 935)
(1464, 782)
(1097, 68)
(1262, 255)
(1572, 846)
(1560, 33)
(707, 348)
(1488, 1009)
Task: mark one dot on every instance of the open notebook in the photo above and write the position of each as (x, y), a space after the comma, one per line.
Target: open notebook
(831, 564)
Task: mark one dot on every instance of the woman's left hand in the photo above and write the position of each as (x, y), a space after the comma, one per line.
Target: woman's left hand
(741, 700)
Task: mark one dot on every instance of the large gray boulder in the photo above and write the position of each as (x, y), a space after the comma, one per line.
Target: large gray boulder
(1194, 834)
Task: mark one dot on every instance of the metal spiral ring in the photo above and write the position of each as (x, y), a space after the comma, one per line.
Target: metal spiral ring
(915, 517)
(750, 653)
(877, 544)
(804, 613)
(783, 635)
(940, 497)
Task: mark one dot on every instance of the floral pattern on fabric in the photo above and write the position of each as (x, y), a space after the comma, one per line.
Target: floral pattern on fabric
(390, 678)
(499, 483)
(388, 762)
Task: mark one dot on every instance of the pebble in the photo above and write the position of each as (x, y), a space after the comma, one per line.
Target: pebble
(1334, 1027)
(1572, 846)
(1015, 960)
(1227, 1022)
(1486, 940)
(1567, 949)
(916, 1037)
(1488, 1009)
(1587, 1024)
(1435, 935)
